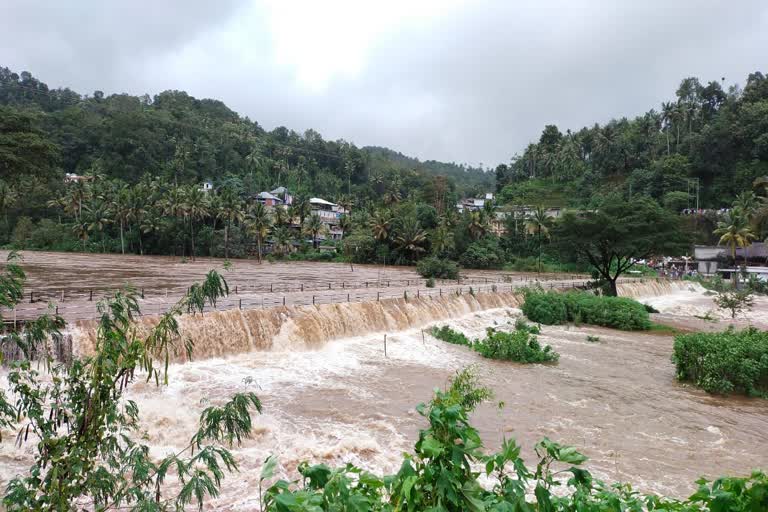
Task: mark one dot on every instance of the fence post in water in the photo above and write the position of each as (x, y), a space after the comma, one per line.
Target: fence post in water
(235, 289)
(283, 300)
(329, 286)
(347, 297)
(302, 286)
(441, 292)
(378, 296)
(142, 293)
(385, 345)
(343, 284)
(62, 295)
(90, 297)
(239, 303)
(270, 287)
(57, 310)
(417, 293)
(313, 300)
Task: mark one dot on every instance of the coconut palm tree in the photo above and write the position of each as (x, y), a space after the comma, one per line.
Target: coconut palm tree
(477, 224)
(196, 208)
(411, 239)
(345, 224)
(97, 216)
(381, 224)
(667, 110)
(229, 210)
(258, 224)
(282, 217)
(442, 239)
(300, 209)
(734, 231)
(173, 205)
(119, 208)
(313, 227)
(281, 239)
(8, 198)
(538, 224)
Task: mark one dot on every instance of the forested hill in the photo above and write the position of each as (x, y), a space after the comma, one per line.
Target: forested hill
(186, 140)
(472, 177)
(704, 136)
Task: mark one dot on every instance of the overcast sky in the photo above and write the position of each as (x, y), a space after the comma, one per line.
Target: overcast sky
(454, 80)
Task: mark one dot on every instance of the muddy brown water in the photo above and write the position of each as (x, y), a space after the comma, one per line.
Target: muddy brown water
(337, 399)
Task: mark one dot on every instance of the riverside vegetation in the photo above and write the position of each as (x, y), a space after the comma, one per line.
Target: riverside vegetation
(724, 362)
(520, 345)
(554, 308)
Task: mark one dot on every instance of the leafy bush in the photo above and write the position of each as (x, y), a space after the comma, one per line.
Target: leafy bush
(593, 339)
(546, 308)
(484, 253)
(448, 461)
(554, 308)
(522, 325)
(520, 346)
(448, 335)
(430, 282)
(735, 301)
(724, 362)
(438, 268)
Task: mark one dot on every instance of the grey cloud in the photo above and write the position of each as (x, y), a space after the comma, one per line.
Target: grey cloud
(473, 86)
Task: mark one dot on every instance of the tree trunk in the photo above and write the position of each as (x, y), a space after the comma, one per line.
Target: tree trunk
(192, 234)
(667, 142)
(226, 240)
(613, 291)
(258, 247)
(122, 240)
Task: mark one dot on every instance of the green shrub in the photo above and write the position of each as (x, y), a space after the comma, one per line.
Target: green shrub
(484, 253)
(448, 335)
(438, 268)
(593, 339)
(545, 308)
(724, 362)
(520, 346)
(522, 325)
(430, 282)
(554, 308)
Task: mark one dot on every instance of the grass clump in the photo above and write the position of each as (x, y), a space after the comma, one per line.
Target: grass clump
(520, 346)
(593, 339)
(553, 308)
(724, 362)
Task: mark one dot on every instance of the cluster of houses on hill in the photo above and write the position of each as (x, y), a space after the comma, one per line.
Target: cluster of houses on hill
(500, 216)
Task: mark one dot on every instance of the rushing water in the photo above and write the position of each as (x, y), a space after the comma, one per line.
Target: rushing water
(331, 396)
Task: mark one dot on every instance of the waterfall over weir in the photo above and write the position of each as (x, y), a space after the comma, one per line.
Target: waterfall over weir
(231, 332)
(306, 327)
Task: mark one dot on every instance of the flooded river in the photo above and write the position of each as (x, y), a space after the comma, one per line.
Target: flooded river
(331, 396)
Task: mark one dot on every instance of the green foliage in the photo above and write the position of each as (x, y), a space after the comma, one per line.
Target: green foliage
(593, 339)
(724, 362)
(616, 234)
(520, 345)
(86, 436)
(554, 308)
(483, 253)
(448, 335)
(735, 301)
(433, 267)
(441, 476)
(430, 282)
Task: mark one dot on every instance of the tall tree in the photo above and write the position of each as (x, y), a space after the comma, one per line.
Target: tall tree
(230, 210)
(617, 234)
(259, 223)
(538, 225)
